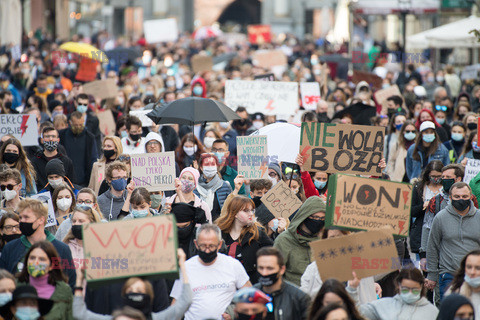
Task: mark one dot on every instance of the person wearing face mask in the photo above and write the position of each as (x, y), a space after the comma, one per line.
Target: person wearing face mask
(91, 121)
(111, 202)
(454, 233)
(457, 142)
(8, 285)
(471, 149)
(55, 173)
(211, 187)
(250, 304)
(133, 143)
(199, 88)
(9, 229)
(258, 121)
(241, 233)
(26, 304)
(10, 186)
(49, 281)
(188, 151)
(409, 303)
(187, 218)
(41, 89)
(210, 136)
(80, 146)
(398, 154)
(137, 203)
(396, 122)
(427, 148)
(63, 200)
(228, 134)
(207, 270)
(220, 149)
(304, 228)
(33, 218)
(466, 281)
(112, 148)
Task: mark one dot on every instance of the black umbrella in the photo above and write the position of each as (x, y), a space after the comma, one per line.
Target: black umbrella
(360, 113)
(191, 111)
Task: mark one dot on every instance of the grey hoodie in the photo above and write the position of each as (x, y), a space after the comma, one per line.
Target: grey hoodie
(452, 236)
(110, 205)
(395, 308)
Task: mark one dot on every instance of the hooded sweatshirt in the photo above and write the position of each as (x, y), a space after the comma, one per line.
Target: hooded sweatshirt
(294, 246)
(110, 205)
(395, 308)
(452, 236)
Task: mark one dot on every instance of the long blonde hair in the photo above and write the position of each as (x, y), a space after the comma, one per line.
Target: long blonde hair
(118, 145)
(92, 215)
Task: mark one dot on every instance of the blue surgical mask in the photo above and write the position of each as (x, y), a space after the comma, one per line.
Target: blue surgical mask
(140, 213)
(472, 282)
(409, 298)
(457, 136)
(319, 184)
(428, 137)
(220, 156)
(6, 297)
(409, 136)
(124, 134)
(27, 313)
(398, 126)
(82, 108)
(198, 91)
(119, 184)
(440, 121)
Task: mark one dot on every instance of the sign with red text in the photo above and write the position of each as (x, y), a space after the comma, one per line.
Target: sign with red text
(343, 148)
(368, 204)
(281, 201)
(101, 89)
(252, 155)
(259, 34)
(365, 253)
(135, 247)
(154, 171)
(310, 92)
(21, 126)
(382, 95)
(268, 97)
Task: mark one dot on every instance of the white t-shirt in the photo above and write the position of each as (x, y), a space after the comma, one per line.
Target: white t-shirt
(213, 286)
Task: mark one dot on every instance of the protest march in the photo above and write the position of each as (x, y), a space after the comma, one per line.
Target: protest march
(236, 176)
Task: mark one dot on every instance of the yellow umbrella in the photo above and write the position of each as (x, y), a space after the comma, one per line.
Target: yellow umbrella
(85, 50)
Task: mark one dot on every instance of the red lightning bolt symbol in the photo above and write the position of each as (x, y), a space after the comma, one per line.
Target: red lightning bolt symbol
(24, 126)
(263, 168)
(400, 226)
(305, 151)
(406, 194)
(338, 213)
(269, 106)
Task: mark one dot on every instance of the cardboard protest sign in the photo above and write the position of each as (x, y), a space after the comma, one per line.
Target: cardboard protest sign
(265, 77)
(368, 204)
(106, 122)
(381, 96)
(269, 58)
(310, 92)
(46, 199)
(471, 169)
(22, 126)
(281, 201)
(268, 97)
(372, 79)
(367, 253)
(201, 63)
(101, 88)
(160, 30)
(259, 34)
(142, 115)
(136, 247)
(154, 171)
(252, 157)
(342, 148)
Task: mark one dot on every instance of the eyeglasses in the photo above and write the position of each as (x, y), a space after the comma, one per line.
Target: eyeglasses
(406, 290)
(84, 201)
(273, 174)
(210, 248)
(441, 108)
(8, 186)
(289, 176)
(11, 228)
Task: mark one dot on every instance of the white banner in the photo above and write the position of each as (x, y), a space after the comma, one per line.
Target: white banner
(46, 199)
(160, 30)
(22, 126)
(471, 170)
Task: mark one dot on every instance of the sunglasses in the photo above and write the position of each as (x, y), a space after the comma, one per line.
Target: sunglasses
(8, 186)
(409, 131)
(441, 108)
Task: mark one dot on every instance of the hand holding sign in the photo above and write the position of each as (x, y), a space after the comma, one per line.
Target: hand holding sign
(281, 201)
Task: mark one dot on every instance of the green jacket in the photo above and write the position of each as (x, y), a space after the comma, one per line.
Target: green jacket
(229, 174)
(294, 246)
(475, 185)
(62, 306)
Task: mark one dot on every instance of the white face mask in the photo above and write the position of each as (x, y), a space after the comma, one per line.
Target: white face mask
(190, 150)
(208, 141)
(224, 125)
(258, 124)
(9, 194)
(55, 183)
(274, 180)
(210, 171)
(64, 203)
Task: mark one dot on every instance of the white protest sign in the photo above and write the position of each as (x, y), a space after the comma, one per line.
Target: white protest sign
(160, 30)
(268, 97)
(310, 92)
(22, 126)
(142, 115)
(252, 157)
(154, 171)
(470, 72)
(471, 169)
(46, 199)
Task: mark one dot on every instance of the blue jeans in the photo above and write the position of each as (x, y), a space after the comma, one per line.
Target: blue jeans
(444, 281)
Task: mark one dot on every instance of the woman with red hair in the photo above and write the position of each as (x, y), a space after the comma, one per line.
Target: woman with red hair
(427, 115)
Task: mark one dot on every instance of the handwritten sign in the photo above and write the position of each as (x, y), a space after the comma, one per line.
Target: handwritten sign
(252, 156)
(471, 169)
(46, 199)
(381, 96)
(201, 63)
(142, 115)
(101, 89)
(22, 126)
(268, 97)
(138, 247)
(160, 30)
(470, 72)
(367, 253)
(154, 171)
(342, 148)
(269, 58)
(106, 122)
(310, 92)
(259, 34)
(281, 201)
(368, 204)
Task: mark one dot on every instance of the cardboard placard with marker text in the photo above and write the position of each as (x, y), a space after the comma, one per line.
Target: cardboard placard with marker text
(281, 201)
(368, 204)
(154, 171)
(252, 157)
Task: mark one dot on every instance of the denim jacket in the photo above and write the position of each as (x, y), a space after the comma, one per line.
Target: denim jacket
(414, 167)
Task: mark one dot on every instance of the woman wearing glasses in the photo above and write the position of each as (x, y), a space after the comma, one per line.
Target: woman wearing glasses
(10, 185)
(398, 154)
(9, 228)
(242, 234)
(409, 303)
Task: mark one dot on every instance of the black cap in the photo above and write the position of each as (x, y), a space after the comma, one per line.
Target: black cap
(26, 292)
(55, 166)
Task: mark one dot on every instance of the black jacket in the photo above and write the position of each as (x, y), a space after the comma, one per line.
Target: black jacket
(93, 125)
(246, 252)
(40, 161)
(289, 303)
(418, 213)
(170, 138)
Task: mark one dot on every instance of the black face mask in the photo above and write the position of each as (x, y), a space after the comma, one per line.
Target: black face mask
(139, 301)
(314, 226)
(77, 231)
(26, 228)
(447, 184)
(10, 157)
(185, 232)
(10, 237)
(108, 153)
(472, 126)
(8, 105)
(207, 257)
(257, 201)
(243, 316)
(135, 137)
(269, 280)
(461, 204)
